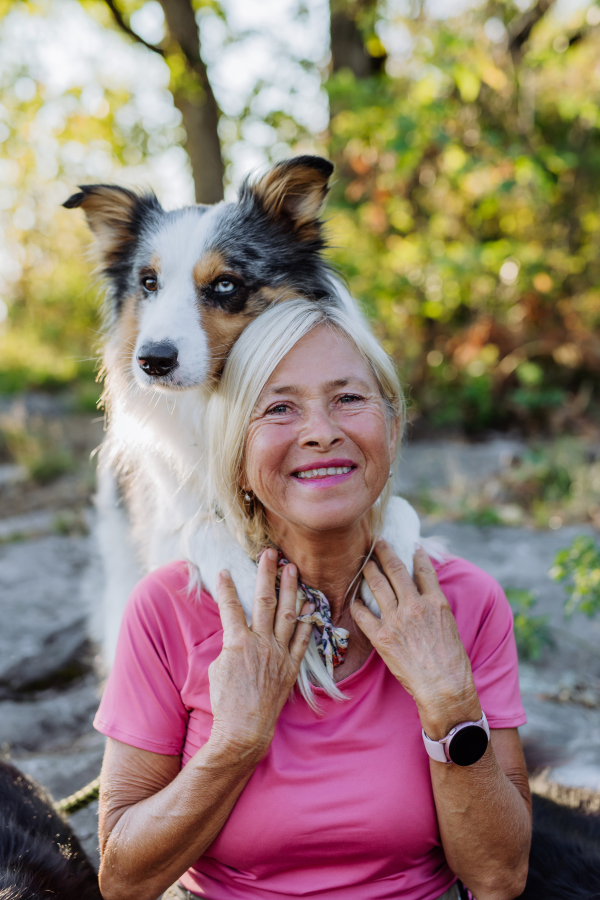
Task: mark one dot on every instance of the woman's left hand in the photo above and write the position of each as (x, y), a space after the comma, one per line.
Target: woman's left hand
(418, 640)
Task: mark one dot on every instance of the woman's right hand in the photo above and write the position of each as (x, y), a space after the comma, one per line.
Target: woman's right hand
(257, 668)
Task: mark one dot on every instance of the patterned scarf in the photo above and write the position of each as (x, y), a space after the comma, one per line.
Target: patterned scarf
(332, 643)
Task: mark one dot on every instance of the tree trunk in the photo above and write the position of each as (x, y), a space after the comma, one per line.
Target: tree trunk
(197, 104)
(348, 50)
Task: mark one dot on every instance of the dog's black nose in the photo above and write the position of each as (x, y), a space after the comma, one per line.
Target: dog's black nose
(157, 359)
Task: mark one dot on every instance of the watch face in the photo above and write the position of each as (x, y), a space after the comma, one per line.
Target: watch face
(468, 745)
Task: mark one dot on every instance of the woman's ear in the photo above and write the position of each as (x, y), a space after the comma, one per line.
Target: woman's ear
(394, 430)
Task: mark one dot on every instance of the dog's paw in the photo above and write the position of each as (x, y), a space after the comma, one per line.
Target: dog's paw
(212, 548)
(402, 530)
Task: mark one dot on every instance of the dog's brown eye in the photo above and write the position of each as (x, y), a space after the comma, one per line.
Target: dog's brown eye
(150, 283)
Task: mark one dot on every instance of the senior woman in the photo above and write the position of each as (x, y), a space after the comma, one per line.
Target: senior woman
(218, 773)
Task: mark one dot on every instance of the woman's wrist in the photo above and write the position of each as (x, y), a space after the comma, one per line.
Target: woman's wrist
(440, 715)
(238, 746)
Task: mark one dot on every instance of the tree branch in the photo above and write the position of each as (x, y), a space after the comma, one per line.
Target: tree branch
(521, 29)
(117, 16)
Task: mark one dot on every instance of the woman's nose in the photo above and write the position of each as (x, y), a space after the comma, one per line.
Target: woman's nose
(320, 430)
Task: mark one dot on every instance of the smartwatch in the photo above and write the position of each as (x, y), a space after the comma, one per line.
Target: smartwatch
(464, 744)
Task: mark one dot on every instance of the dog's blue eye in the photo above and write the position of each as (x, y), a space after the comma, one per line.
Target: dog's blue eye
(225, 286)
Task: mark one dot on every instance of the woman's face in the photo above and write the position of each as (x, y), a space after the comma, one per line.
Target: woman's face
(320, 442)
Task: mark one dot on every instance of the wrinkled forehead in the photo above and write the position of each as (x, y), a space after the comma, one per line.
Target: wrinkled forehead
(321, 361)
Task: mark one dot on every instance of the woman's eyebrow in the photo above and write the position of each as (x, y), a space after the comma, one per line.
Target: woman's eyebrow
(328, 386)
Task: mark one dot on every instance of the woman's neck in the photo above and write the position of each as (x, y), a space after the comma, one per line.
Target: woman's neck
(329, 561)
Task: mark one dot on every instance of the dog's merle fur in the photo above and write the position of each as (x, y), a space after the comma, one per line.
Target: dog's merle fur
(40, 857)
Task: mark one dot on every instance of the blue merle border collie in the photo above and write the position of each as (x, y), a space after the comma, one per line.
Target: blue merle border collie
(182, 286)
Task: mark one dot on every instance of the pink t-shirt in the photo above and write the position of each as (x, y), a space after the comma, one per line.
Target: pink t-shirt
(342, 804)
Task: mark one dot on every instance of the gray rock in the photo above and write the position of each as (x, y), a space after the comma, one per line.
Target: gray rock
(44, 623)
(445, 464)
(55, 718)
(521, 558)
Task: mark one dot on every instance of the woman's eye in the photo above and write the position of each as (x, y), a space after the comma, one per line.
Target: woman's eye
(150, 283)
(349, 398)
(279, 409)
(225, 286)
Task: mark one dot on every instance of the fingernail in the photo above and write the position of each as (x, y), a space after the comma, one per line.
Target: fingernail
(380, 541)
(272, 554)
(292, 570)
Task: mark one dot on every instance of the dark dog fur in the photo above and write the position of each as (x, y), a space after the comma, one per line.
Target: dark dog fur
(564, 863)
(40, 857)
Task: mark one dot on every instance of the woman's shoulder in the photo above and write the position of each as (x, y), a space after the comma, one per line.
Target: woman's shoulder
(171, 600)
(456, 572)
(474, 595)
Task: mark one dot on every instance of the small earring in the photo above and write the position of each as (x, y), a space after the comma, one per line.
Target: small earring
(247, 498)
(391, 473)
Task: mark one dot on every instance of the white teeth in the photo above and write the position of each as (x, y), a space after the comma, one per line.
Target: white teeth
(318, 473)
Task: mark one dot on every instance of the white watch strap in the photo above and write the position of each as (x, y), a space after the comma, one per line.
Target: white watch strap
(437, 749)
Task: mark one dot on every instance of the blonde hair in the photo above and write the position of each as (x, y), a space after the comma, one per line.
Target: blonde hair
(253, 359)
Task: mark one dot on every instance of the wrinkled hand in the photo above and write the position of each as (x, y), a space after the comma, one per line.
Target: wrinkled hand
(253, 675)
(418, 640)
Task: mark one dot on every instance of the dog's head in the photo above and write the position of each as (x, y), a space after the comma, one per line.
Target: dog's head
(183, 285)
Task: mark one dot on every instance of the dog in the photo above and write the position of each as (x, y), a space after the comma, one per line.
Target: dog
(182, 286)
(40, 856)
(564, 862)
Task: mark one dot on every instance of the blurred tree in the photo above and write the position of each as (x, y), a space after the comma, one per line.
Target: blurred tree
(58, 127)
(191, 88)
(354, 45)
(466, 209)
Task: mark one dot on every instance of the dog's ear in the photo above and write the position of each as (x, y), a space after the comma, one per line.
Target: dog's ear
(294, 193)
(115, 215)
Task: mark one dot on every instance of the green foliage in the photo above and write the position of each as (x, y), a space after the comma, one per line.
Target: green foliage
(466, 215)
(37, 446)
(579, 566)
(91, 125)
(532, 633)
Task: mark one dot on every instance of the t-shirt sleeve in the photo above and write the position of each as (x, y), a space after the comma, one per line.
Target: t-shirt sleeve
(485, 623)
(142, 704)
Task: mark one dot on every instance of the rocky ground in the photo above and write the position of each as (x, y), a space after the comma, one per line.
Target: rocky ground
(51, 578)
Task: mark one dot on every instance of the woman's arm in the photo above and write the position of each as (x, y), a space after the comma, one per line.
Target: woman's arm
(484, 810)
(155, 820)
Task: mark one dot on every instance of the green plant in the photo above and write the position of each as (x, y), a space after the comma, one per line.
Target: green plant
(49, 465)
(579, 566)
(483, 517)
(532, 633)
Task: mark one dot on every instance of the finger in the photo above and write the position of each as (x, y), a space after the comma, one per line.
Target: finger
(381, 588)
(396, 572)
(301, 639)
(364, 618)
(285, 617)
(230, 608)
(265, 598)
(425, 575)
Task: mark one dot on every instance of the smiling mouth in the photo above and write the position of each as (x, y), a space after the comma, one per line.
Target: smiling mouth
(323, 472)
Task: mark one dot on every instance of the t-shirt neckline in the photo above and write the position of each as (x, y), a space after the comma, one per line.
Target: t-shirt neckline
(360, 671)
